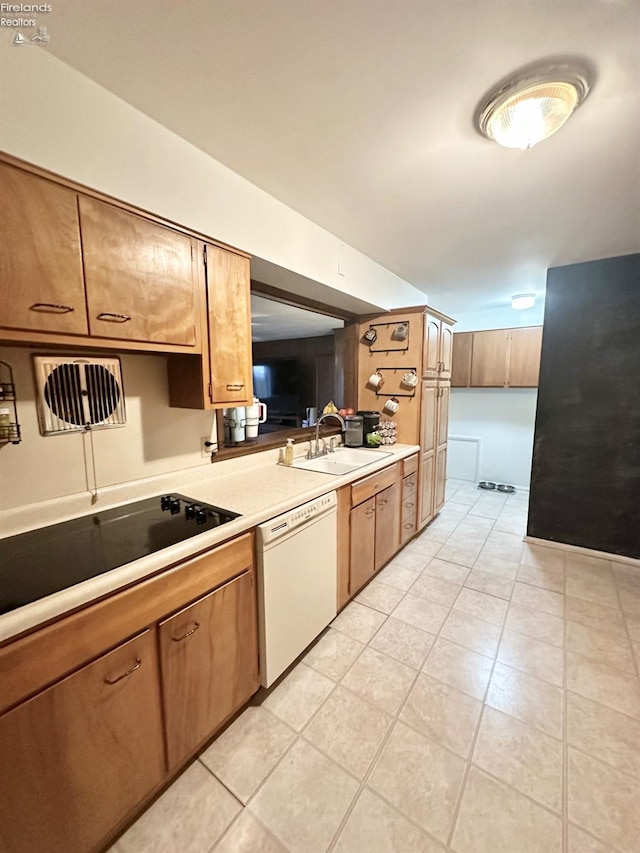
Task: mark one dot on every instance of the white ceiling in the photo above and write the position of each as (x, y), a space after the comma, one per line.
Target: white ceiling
(358, 114)
(277, 321)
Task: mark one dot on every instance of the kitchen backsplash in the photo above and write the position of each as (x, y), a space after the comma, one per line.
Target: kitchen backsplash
(155, 440)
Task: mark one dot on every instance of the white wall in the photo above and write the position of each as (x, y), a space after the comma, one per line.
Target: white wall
(55, 117)
(500, 318)
(503, 419)
(155, 440)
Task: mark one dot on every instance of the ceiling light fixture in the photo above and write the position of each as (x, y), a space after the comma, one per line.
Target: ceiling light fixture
(533, 104)
(523, 300)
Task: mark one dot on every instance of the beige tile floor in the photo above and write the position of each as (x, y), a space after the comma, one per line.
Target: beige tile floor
(479, 696)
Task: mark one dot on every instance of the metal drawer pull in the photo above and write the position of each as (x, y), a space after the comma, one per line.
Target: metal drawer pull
(383, 501)
(108, 317)
(196, 625)
(136, 665)
(236, 387)
(409, 505)
(408, 526)
(51, 308)
(370, 512)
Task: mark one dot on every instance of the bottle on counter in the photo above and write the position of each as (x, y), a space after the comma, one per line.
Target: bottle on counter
(288, 452)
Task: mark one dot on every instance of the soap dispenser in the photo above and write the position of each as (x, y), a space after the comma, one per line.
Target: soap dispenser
(288, 452)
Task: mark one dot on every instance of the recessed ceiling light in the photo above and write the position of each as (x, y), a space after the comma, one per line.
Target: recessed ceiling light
(532, 105)
(523, 300)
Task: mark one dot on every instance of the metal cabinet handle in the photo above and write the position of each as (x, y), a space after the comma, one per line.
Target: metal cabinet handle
(51, 308)
(236, 387)
(408, 526)
(196, 625)
(409, 505)
(384, 501)
(108, 317)
(136, 665)
(369, 512)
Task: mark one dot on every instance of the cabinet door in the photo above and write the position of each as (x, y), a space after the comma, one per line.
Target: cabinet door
(387, 525)
(524, 357)
(427, 472)
(489, 359)
(41, 286)
(446, 351)
(431, 349)
(140, 277)
(229, 302)
(440, 485)
(442, 414)
(80, 756)
(428, 417)
(362, 544)
(461, 360)
(209, 662)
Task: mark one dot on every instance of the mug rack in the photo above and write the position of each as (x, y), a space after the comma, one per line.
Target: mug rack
(385, 342)
(392, 386)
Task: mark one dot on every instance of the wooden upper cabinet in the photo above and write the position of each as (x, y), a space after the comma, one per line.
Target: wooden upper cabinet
(41, 286)
(140, 277)
(524, 357)
(209, 661)
(79, 757)
(461, 360)
(446, 351)
(229, 307)
(489, 359)
(431, 351)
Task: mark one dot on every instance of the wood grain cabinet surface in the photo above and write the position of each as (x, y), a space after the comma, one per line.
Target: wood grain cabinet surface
(387, 525)
(41, 284)
(140, 277)
(80, 756)
(229, 313)
(500, 358)
(209, 663)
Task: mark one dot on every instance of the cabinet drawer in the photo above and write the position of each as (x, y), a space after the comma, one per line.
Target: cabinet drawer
(410, 465)
(370, 486)
(407, 528)
(409, 506)
(409, 485)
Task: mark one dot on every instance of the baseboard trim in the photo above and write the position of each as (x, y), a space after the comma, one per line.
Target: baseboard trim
(587, 552)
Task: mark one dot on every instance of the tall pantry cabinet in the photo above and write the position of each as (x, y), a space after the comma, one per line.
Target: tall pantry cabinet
(423, 411)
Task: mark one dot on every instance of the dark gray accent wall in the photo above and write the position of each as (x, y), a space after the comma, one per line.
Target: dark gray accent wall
(585, 486)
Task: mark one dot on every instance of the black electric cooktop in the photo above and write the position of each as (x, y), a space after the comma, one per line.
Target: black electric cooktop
(47, 560)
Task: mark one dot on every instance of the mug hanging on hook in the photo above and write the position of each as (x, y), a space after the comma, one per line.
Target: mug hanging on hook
(370, 336)
(401, 332)
(410, 379)
(391, 405)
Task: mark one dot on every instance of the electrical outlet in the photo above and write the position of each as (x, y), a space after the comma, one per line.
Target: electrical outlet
(205, 451)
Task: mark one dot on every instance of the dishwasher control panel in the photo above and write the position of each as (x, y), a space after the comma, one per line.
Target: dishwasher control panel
(288, 522)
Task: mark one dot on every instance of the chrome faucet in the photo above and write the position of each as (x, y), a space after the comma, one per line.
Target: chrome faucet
(311, 453)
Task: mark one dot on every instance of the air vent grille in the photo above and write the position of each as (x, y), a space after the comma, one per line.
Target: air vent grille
(76, 394)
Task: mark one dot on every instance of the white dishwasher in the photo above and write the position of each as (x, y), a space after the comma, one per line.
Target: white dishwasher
(297, 582)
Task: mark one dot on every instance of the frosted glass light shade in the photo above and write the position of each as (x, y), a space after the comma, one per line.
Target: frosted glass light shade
(526, 110)
(523, 300)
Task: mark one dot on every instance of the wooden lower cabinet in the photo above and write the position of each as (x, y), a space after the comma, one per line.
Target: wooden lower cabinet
(80, 756)
(440, 484)
(387, 538)
(362, 544)
(209, 664)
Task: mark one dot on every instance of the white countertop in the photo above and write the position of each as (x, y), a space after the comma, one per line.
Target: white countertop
(254, 485)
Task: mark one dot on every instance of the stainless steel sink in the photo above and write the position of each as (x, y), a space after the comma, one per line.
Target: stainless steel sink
(342, 461)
